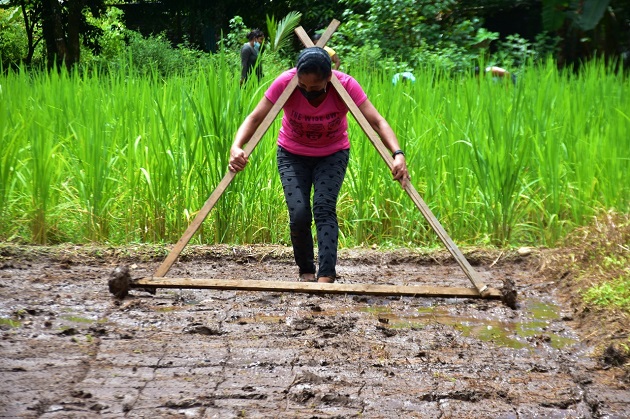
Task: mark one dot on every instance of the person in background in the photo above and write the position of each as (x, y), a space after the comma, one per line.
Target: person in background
(497, 73)
(313, 153)
(334, 57)
(404, 77)
(249, 55)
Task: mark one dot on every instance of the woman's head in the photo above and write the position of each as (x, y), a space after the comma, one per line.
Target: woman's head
(256, 33)
(314, 61)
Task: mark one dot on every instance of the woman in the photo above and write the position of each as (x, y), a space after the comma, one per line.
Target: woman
(313, 152)
(249, 55)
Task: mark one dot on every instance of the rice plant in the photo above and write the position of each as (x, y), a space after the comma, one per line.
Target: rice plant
(125, 157)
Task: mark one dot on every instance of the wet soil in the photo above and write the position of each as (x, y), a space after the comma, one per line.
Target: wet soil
(68, 348)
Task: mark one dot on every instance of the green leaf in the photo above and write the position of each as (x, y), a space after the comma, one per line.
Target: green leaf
(280, 33)
(592, 13)
(553, 14)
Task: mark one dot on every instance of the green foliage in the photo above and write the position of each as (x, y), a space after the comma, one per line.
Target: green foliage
(612, 294)
(13, 45)
(156, 54)
(112, 36)
(553, 15)
(411, 34)
(129, 156)
(280, 33)
(514, 52)
(591, 13)
(584, 15)
(450, 58)
(237, 35)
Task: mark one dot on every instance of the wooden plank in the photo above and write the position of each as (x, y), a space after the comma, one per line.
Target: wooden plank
(472, 275)
(325, 36)
(314, 287)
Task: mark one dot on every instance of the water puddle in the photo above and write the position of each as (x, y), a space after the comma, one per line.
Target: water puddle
(530, 329)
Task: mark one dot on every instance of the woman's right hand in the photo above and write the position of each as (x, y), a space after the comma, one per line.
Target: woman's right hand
(238, 159)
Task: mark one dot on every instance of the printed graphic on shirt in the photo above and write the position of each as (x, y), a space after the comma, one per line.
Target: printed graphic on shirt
(315, 131)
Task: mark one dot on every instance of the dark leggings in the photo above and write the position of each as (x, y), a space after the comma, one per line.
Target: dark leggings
(299, 174)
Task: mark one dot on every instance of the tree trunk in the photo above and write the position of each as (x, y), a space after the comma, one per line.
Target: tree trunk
(73, 36)
(54, 35)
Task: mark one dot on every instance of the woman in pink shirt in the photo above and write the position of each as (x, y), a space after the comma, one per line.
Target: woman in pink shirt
(313, 153)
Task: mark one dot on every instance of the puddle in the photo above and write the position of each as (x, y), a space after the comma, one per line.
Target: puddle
(528, 330)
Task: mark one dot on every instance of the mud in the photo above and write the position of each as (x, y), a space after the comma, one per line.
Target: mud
(68, 348)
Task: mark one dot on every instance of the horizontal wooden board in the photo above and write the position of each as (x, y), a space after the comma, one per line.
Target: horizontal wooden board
(313, 287)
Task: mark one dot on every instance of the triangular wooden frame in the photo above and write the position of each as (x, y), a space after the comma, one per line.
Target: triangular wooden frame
(158, 280)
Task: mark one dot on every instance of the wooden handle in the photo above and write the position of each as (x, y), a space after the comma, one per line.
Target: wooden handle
(472, 275)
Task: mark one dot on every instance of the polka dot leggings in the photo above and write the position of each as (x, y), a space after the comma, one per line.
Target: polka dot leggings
(324, 176)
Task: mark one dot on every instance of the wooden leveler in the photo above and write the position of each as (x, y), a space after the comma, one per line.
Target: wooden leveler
(158, 280)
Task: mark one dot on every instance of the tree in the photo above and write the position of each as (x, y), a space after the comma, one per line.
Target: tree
(31, 12)
(63, 26)
(587, 27)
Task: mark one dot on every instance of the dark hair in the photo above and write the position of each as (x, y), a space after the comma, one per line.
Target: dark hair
(314, 60)
(316, 37)
(256, 33)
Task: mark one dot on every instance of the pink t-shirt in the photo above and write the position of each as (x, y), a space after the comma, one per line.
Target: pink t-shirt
(314, 131)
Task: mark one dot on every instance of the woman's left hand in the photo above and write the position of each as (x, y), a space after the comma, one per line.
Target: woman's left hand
(399, 170)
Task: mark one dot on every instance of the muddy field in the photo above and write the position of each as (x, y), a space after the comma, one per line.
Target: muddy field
(68, 348)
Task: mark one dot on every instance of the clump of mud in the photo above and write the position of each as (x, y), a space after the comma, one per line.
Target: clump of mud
(119, 281)
(508, 293)
(615, 355)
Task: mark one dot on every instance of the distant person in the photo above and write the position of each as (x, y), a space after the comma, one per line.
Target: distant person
(404, 77)
(334, 57)
(249, 55)
(497, 73)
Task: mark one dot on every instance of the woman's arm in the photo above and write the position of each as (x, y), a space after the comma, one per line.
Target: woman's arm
(385, 131)
(238, 159)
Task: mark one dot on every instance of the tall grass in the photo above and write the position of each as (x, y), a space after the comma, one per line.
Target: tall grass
(120, 157)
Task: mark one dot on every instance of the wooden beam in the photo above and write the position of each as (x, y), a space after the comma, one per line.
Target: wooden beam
(411, 191)
(325, 36)
(314, 287)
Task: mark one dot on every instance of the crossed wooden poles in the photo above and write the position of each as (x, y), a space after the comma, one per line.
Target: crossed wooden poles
(159, 281)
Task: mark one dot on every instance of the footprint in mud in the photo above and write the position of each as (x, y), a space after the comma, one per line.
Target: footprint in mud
(331, 327)
(305, 389)
(203, 330)
(300, 324)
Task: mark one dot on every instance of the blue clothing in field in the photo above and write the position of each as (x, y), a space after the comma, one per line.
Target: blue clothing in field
(404, 77)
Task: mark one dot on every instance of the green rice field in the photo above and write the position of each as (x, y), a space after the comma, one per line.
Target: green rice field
(122, 158)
